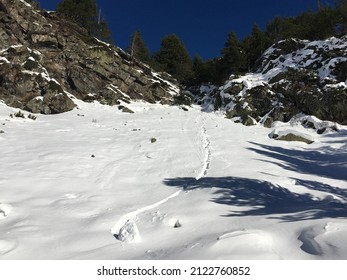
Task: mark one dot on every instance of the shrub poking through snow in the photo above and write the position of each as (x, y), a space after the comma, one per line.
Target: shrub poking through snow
(153, 140)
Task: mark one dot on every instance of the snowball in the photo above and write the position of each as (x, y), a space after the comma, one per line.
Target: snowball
(129, 233)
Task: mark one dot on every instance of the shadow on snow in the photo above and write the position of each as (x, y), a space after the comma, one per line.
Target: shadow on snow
(327, 162)
(263, 198)
(260, 198)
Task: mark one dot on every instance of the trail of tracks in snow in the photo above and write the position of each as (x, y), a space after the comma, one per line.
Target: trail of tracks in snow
(204, 141)
(206, 145)
(132, 215)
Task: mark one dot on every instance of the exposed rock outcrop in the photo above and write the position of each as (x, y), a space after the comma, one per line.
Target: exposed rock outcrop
(45, 60)
(294, 76)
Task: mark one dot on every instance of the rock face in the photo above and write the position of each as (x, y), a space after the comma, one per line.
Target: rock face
(45, 60)
(294, 76)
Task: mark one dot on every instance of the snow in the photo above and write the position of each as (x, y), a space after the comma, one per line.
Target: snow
(3, 60)
(116, 90)
(89, 184)
(305, 57)
(5, 210)
(280, 133)
(173, 89)
(129, 233)
(25, 3)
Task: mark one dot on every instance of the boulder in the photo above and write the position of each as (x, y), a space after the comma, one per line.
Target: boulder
(291, 135)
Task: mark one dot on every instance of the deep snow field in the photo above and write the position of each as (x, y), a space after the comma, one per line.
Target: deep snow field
(90, 184)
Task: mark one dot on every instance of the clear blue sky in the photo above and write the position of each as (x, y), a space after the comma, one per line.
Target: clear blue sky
(202, 25)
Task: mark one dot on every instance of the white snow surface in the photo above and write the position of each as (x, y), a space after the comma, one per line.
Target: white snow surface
(89, 184)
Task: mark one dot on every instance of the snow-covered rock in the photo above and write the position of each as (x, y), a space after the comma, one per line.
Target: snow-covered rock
(294, 76)
(291, 135)
(129, 233)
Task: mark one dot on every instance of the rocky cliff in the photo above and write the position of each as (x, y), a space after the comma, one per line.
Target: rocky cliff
(46, 61)
(294, 76)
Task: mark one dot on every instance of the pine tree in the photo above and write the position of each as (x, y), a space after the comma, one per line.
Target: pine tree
(199, 69)
(341, 10)
(234, 58)
(138, 49)
(174, 58)
(85, 14)
(255, 45)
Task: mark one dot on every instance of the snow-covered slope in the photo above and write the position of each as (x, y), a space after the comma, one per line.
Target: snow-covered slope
(322, 57)
(164, 183)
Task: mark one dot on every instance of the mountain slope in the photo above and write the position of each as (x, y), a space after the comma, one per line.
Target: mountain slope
(294, 77)
(45, 58)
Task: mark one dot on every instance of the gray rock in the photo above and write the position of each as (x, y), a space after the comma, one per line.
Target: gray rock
(291, 136)
(50, 47)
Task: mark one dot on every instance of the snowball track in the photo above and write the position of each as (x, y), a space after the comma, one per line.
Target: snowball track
(132, 215)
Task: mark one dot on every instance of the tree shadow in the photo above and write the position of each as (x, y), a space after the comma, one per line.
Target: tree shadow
(326, 162)
(261, 198)
(317, 186)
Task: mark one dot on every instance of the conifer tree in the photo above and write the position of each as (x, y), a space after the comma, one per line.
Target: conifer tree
(341, 9)
(138, 49)
(199, 69)
(234, 57)
(254, 45)
(174, 58)
(85, 14)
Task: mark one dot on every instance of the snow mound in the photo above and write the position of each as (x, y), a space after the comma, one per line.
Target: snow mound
(5, 210)
(129, 233)
(329, 240)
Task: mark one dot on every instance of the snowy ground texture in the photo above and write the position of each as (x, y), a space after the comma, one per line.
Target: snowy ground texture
(164, 183)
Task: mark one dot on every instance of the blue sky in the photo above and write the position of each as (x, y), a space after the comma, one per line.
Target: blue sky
(203, 25)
